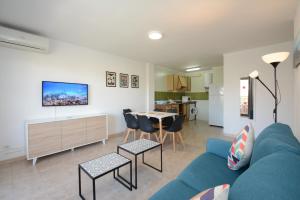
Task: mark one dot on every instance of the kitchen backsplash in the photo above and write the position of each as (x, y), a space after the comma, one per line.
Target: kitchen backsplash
(178, 95)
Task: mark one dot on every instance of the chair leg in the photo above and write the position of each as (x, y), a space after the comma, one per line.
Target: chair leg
(126, 136)
(134, 134)
(149, 136)
(166, 134)
(174, 142)
(181, 139)
(142, 135)
(157, 139)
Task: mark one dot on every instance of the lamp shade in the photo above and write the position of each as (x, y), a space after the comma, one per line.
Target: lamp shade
(254, 74)
(275, 57)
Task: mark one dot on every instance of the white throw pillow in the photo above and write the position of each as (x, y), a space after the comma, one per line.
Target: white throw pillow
(217, 193)
(241, 149)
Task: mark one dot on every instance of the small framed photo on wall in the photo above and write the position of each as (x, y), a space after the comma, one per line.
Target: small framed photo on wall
(134, 81)
(124, 80)
(111, 79)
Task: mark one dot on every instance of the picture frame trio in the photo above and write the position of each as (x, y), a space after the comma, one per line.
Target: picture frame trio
(111, 80)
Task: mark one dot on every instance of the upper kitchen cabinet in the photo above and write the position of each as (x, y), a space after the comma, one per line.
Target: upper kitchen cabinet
(189, 83)
(178, 83)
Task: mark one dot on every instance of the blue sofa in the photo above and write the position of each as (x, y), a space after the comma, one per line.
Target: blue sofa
(273, 172)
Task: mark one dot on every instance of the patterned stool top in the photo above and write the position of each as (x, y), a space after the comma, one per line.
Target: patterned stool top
(104, 164)
(139, 146)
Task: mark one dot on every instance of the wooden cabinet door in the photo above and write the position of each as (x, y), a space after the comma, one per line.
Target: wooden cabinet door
(189, 83)
(44, 139)
(73, 133)
(170, 82)
(95, 129)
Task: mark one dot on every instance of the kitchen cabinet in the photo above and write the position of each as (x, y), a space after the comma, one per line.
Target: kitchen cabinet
(178, 83)
(189, 83)
(171, 82)
(167, 107)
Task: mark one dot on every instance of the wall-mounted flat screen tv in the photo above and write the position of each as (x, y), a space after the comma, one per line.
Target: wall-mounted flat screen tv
(64, 94)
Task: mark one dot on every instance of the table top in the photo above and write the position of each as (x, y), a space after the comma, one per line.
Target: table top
(155, 114)
(139, 146)
(103, 164)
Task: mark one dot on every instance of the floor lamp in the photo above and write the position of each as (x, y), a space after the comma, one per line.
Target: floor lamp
(274, 59)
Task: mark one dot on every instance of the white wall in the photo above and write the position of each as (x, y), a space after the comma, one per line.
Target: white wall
(297, 76)
(150, 85)
(20, 85)
(240, 64)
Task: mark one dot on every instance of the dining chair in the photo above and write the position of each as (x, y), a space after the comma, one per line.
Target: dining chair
(154, 120)
(146, 127)
(132, 126)
(175, 129)
(168, 121)
(126, 110)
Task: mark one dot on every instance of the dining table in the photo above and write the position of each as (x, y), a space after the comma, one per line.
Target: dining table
(159, 116)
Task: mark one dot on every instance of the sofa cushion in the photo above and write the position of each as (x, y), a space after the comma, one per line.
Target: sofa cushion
(175, 189)
(241, 149)
(274, 138)
(207, 171)
(275, 177)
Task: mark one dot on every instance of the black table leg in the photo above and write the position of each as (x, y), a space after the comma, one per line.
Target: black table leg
(130, 176)
(79, 180)
(160, 170)
(135, 171)
(123, 181)
(94, 190)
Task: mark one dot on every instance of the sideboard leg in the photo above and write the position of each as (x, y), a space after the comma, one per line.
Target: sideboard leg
(34, 161)
(103, 141)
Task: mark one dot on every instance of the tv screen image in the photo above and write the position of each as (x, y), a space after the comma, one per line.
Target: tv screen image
(64, 94)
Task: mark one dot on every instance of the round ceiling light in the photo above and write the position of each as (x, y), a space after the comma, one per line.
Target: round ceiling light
(155, 35)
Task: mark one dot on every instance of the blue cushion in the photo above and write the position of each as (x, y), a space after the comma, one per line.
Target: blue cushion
(175, 190)
(275, 177)
(218, 147)
(208, 170)
(274, 138)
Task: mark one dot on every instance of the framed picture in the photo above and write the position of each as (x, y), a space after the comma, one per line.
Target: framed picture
(246, 97)
(124, 80)
(111, 79)
(134, 81)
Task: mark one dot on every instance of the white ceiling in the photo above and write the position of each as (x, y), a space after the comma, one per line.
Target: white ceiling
(195, 31)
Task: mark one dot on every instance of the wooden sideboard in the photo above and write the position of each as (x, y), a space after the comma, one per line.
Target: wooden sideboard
(49, 136)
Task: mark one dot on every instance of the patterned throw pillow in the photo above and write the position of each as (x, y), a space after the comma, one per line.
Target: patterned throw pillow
(241, 149)
(217, 193)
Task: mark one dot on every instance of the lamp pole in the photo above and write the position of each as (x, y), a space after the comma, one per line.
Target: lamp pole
(274, 59)
(274, 95)
(275, 64)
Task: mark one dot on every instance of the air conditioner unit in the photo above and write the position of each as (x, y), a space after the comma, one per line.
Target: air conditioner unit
(24, 41)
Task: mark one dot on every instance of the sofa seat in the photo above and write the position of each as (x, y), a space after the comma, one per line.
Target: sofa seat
(208, 170)
(175, 189)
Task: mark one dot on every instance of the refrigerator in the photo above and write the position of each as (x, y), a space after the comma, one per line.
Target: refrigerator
(216, 105)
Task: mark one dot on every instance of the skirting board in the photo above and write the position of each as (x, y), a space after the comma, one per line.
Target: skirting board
(11, 153)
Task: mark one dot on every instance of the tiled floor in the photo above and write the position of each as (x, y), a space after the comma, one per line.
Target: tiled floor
(56, 176)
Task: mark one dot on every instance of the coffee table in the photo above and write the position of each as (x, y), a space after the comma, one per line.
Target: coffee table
(103, 165)
(138, 147)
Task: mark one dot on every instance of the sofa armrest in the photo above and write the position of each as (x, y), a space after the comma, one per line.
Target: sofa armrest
(218, 147)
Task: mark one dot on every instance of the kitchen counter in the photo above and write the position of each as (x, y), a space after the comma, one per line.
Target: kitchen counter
(182, 108)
